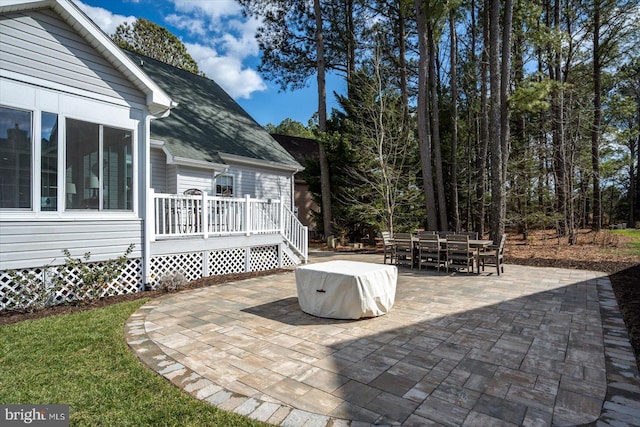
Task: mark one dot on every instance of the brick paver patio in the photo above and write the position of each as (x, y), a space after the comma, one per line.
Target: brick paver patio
(534, 347)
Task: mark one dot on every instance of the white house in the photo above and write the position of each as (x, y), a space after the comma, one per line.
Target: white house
(101, 149)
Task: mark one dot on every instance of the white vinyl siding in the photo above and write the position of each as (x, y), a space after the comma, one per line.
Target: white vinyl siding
(158, 171)
(261, 183)
(257, 183)
(40, 45)
(47, 67)
(39, 243)
(202, 179)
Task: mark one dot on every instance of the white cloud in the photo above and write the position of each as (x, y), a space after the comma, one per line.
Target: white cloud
(223, 40)
(227, 71)
(107, 21)
(218, 22)
(215, 10)
(246, 44)
(194, 26)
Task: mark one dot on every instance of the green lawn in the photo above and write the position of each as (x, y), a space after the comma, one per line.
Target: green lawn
(81, 360)
(633, 246)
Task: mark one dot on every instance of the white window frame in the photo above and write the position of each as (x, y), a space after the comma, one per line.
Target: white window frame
(224, 176)
(20, 96)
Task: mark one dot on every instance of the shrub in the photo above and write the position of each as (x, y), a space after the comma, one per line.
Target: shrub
(171, 282)
(76, 279)
(88, 282)
(33, 291)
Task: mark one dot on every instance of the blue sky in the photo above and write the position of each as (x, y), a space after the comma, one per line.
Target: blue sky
(223, 44)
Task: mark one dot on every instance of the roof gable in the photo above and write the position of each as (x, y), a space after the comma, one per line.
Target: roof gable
(207, 122)
(158, 102)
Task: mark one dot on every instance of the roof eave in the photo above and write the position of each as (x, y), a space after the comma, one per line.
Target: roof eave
(185, 161)
(249, 161)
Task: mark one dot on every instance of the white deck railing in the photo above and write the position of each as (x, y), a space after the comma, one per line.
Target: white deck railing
(204, 216)
(295, 234)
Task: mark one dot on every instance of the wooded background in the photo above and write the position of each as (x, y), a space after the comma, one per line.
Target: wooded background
(462, 114)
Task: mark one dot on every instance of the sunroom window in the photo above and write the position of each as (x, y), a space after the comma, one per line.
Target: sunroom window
(98, 166)
(15, 158)
(49, 162)
(95, 171)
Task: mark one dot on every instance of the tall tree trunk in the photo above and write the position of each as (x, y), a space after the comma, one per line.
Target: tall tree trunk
(351, 44)
(435, 131)
(494, 119)
(325, 178)
(402, 69)
(636, 217)
(499, 118)
(632, 186)
(455, 215)
(558, 134)
(424, 132)
(483, 143)
(597, 113)
(541, 135)
(584, 197)
(473, 136)
(571, 154)
(402, 61)
(521, 145)
(505, 111)
(635, 174)
(570, 175)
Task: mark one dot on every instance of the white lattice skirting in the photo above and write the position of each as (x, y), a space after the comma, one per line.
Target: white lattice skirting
(34, 285)
(192, 265)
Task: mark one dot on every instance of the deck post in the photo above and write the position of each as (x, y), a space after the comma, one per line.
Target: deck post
(281, 217)
(247, 259)
(204, 211)
(205, 263)
(247, 214)
(151, 216)
(149, 226)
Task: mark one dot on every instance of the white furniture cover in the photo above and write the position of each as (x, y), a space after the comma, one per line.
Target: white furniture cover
(346, 289)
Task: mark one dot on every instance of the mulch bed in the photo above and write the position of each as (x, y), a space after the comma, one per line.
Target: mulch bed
(17, 316)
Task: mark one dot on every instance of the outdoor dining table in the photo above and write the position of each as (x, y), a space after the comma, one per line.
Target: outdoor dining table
(477, 244)
(346, 289)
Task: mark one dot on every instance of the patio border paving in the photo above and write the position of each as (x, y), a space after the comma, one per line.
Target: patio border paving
(621, 406)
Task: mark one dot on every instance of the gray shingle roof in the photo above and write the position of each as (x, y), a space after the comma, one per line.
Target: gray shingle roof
(302, 149)
(207, 121)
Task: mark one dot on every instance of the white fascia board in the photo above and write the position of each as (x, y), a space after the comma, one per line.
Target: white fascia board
(184, 161)
(249, 161)
(158, 102)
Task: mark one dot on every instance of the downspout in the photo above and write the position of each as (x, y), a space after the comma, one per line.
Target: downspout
(293, 190)
(147, 202)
